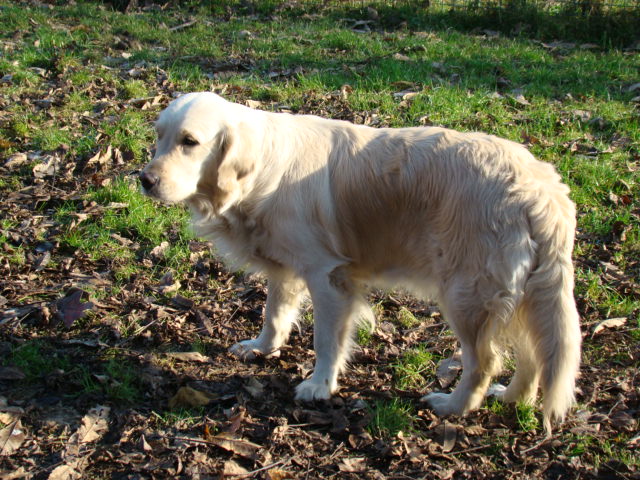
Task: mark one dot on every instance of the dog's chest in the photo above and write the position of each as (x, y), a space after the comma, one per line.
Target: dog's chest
(245, 242)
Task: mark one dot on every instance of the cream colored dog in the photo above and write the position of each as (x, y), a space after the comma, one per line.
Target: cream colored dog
(470, 220)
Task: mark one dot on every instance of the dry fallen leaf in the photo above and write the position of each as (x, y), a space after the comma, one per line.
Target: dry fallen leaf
(167, 284)
(157, 253)
(239, 446)
(401, 57)
(16, 474)
(187, 397)
(11, 373)
(71, 308)
(50, 166)
(94, 425)
(277, 474)
(448, 436)
(609, 323)
(449, 368)
(68, 471)
(353, 465)
(189, 357)
(232, 468)
(11, 437)
(254, 387)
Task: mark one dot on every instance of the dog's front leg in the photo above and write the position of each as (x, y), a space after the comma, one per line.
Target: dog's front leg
(333, 298)
(284, 294)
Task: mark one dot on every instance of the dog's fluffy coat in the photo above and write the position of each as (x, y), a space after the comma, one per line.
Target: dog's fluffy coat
(470, 220)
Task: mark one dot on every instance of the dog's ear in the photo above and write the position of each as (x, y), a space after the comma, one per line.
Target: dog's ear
(237, 159)
(231, 168)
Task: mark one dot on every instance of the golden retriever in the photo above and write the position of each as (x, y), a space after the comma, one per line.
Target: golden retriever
(468, 219)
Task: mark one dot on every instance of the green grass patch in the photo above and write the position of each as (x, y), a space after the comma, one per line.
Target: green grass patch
(526, 417)
(129, 214)
(409, 372)
(406, 319)
(114, 378)
(36, 359)
(180, 418)
(364, 336)
(388, 417)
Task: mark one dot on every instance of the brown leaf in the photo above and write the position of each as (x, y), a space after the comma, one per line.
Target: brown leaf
(401, 57)
(189, 357)
(254, 387)
(101, 158)
(158, 253)
(167, 284)
(232, 468)
(71, 308)
(68, 471)
(16, 160)
(448, 434)
(17, 473)
(188, 397)
(253, 104)
(520, 99)
(49, 167)
(277, 474)
(239, 446)
(475, 430)
(11, 437)
(609, 323)
(353, 465)
(144, 445)
(11, 373)
(623, 421)
(449, 368)
(94, 425)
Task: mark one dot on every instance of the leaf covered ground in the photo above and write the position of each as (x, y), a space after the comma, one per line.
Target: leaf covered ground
(115, 321)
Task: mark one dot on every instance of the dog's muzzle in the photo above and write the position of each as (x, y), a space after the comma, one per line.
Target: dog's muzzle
(148, 181)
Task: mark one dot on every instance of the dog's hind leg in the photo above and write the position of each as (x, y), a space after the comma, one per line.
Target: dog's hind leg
(285, 292)
(524, 384)
(476, 329)
(335, 306)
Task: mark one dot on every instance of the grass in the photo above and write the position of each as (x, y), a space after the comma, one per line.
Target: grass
(127, 214)
(526, 417)
(181, 417)
(117, 380)
(406, 319)
(36, 359)
(388, 417)
(410, 370)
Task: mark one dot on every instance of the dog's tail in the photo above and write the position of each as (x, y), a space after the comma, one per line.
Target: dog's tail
(549, 303)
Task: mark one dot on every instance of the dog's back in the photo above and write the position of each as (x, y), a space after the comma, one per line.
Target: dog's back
(489, 226)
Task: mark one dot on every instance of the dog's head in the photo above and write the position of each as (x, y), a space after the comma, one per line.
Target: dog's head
(200, 157)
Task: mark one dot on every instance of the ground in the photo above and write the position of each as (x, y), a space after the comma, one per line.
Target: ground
(115, 321)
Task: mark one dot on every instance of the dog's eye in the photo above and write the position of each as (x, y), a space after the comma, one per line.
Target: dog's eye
(189, 141)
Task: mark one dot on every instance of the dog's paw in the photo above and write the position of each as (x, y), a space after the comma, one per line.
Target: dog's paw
(440, 403)
(248, 350)
(310, 390)
(496, 390)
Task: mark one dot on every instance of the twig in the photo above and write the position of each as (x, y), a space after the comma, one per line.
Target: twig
(184, 25)
(467, 450)
(136, 333)
(538, 445)
(616, 471)
(207, 442)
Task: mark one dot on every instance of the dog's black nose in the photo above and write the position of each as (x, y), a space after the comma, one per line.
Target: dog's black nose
(148, 180)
